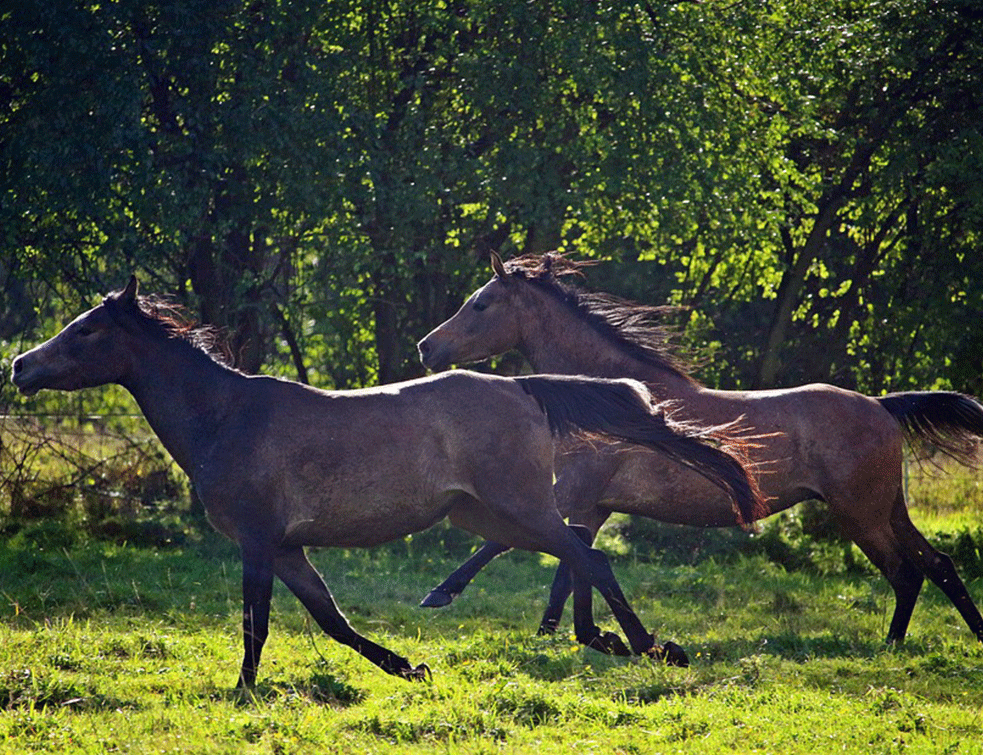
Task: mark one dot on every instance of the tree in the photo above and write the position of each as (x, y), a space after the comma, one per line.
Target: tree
(833, 181)
(324, 180)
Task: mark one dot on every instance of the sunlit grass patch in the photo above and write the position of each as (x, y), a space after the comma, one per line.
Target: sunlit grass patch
(114, 648)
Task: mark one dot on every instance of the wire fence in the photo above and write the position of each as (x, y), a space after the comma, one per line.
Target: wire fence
(61, 448)
(93, 465)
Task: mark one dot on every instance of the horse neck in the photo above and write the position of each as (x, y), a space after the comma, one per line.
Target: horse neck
(182, 393)
(555, 340)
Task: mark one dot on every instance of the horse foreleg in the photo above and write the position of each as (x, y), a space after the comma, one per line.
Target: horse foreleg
(257, 591)
(296, 572)
(444, 593)
(559, 592)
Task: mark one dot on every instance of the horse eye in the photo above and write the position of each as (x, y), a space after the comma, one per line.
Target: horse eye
(85, 331)
(480, 306)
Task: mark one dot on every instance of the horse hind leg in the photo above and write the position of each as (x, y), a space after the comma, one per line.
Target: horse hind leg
(937, 566)
(562, 586)
(905, 577)
(585, 526)
(591, 567)
(587, 632)
(642, 642)
(539, 527)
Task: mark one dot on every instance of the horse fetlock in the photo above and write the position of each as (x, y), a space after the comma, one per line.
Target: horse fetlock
(670, 654)
(247, 679)
(548, 627)
(421, 673)
(401, 667)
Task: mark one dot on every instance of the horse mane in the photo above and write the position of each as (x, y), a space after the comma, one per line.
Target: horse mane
(162, 317)
(638, 330)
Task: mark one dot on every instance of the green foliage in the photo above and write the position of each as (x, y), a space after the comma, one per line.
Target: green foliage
(324, 180)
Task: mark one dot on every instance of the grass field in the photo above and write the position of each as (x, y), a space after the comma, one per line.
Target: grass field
(114, 648)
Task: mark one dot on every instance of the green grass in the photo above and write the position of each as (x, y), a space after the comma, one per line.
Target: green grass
(107, 648)
(115, 648)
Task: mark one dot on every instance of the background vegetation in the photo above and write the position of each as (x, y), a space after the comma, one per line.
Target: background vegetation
(323, 181)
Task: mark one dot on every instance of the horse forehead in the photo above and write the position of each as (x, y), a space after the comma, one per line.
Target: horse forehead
(486, 291)
(89, 314)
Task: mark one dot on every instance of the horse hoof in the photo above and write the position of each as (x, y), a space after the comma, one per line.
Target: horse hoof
(670, 654)
(547, 628)
(437, 598)
(608, 643)
(421, 673)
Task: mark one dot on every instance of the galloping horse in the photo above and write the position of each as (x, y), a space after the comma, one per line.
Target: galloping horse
(815, 441)
(279, 465)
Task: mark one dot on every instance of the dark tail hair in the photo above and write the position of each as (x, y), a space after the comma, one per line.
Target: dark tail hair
(951, 422)
(625, 410)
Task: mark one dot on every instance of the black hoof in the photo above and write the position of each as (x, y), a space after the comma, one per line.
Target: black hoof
(437, 598)
(670, 654)
(246, 681)
(421, 673)
(608, 643)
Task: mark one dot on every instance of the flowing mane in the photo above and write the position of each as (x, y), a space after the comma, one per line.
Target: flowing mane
(636, 329)
(165, 319)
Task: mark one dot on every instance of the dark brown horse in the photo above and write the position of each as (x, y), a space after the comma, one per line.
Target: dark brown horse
(279, 466)
(816, 441)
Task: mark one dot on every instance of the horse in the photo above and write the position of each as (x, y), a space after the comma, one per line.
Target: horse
(814, 442)
(279, 465)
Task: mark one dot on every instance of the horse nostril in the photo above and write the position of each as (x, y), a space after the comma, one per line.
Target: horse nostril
(18, 365)
(424, 349)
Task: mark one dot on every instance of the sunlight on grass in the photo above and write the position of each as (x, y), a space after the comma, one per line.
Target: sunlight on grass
(113, 648)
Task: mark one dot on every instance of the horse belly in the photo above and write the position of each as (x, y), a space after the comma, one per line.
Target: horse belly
(650, 485)
(361, 532)
(361, 509)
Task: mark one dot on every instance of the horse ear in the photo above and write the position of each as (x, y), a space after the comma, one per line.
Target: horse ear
(498, 266)
(129, 294)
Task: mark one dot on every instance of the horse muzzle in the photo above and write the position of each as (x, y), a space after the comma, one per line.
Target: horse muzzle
(431, 357)
(27, 380)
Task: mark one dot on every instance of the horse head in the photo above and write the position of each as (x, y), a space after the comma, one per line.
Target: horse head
(86, 353)
(486, 324)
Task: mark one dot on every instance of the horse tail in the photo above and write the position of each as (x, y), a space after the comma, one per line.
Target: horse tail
(948, 421)
(624, 409)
